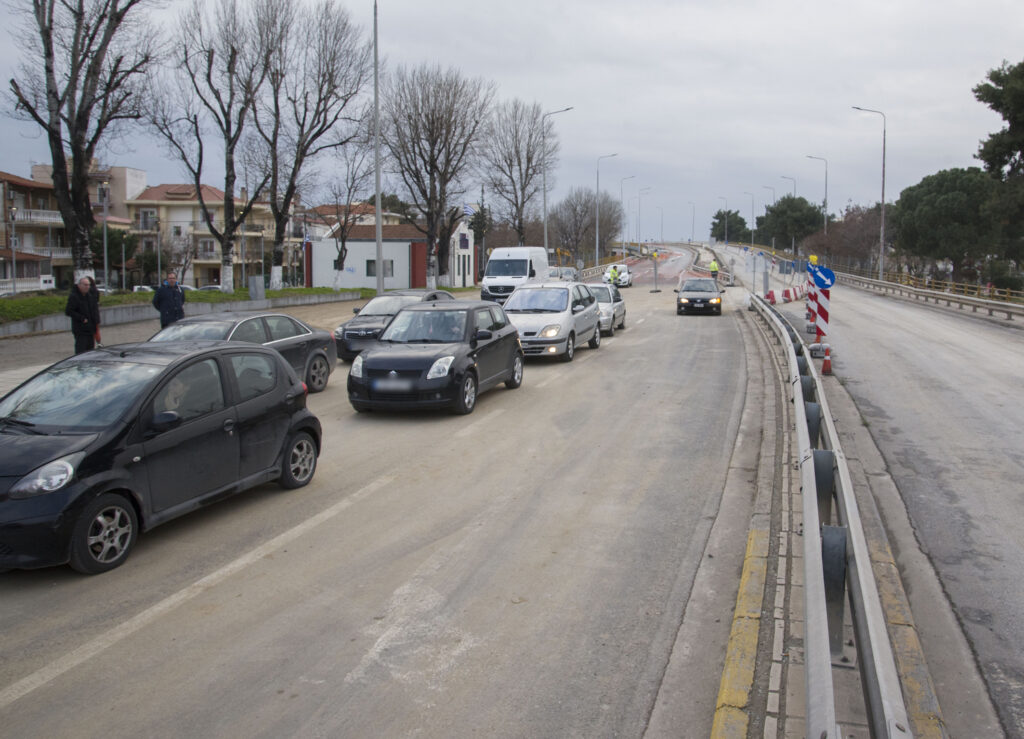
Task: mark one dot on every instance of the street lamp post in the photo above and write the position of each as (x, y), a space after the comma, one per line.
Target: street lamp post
(639, 198)
(106, 205)
(597, 210)
(661, 238)
(726, 201)
(693, 217)
(622, 202)
(792, 236)
(14, 251)
(793, 179)
(751, 217)
(769, 187)
(823, 159)
(881, 232)
(544, 166)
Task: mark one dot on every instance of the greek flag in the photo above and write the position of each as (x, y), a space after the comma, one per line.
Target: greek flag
(468, 209)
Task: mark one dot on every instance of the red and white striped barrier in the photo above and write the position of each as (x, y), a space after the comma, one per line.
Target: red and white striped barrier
(770, 296)
(822, 313)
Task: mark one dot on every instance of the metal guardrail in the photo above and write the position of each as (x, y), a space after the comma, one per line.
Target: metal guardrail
(937, 296)
(836, 561)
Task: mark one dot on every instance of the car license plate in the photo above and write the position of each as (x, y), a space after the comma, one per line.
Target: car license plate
(392, 385)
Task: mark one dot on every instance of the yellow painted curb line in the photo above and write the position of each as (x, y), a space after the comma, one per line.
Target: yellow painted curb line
(737, 681)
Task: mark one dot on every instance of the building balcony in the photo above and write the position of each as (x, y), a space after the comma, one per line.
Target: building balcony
(31, 217)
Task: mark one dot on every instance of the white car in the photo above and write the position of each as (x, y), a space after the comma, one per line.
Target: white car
(625, 276)
(611, 306)
(553, 317)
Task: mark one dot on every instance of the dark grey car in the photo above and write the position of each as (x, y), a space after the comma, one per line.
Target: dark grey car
(362, 331)
(699, 295)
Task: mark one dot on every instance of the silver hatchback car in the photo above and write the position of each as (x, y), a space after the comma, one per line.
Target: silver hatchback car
(611, 305)
(554, 317)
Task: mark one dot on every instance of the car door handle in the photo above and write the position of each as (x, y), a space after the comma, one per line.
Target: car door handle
(229, 426)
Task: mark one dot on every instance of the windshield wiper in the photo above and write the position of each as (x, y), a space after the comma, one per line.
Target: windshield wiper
(18, 423)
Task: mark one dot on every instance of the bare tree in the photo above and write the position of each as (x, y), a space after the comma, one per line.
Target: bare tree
(221, 57)
(82, 64)
(355, 177)
(573, 219)
(432, 120)
(317, 71)
(514, 158)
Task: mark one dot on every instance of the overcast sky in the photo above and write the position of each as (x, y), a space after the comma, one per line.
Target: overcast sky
(699, 100)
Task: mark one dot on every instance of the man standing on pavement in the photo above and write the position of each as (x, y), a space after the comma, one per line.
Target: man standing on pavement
(713, 267)
(83, 309)
(170, 300)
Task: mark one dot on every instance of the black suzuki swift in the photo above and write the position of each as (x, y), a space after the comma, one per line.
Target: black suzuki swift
(103, 445)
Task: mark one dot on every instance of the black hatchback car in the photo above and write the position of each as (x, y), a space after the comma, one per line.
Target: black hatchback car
(362, 331)
(103, 445)
(311, 352)
(435, 355)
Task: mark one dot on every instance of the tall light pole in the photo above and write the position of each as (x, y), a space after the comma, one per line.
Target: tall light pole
(726, 201)
(639, 197)
(823, 159)
(794, 183)
(769, 187)
(106, 203)
(378, 216)
(14, 251)
(693, 217)
(597, 210)
(622, 202)
(881, 233)
(792, 236)
(751, 217)
(544, 166)
(661, 238)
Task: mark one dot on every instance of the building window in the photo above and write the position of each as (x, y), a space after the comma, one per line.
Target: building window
(147, 219)
(177, 230)
(371, 268)
(207, 249)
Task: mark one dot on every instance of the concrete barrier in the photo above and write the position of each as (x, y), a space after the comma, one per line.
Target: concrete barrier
(117, 314)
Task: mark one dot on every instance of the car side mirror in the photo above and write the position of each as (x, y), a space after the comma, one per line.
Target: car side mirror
(355, 310)
(675, 291)
(483, 335)
(533, 272)
(577, 309)
(165, 421)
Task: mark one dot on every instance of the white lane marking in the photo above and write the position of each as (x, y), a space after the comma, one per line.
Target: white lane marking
(641, 320)
(475, 426)
(90, 649)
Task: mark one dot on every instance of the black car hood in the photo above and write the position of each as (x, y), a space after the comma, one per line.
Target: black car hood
(365, 322)
(22, 453)
(408, 356)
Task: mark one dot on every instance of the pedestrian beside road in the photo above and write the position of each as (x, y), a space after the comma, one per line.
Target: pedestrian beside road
(714, 269)
(83, 308)
(169, 299)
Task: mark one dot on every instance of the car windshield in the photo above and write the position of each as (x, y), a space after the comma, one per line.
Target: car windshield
(213, 330)
(388, 305)
(426, 327)
(699, 286)
(603, 293)
(538, 300)
(77, 396)
(620, 268)
(506, 268)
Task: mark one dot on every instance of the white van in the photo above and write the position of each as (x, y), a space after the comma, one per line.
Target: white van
(511, 266)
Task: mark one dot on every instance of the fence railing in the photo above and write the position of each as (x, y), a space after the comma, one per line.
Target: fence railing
(990, 306)
(836, 560)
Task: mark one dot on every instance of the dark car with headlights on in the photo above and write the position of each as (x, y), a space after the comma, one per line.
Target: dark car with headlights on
(311, 352)
(112, 442)
(698, 295)
(362, 331)
(437, 355)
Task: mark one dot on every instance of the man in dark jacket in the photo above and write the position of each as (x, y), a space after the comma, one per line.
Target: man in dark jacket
(169, 299)
(83, 309)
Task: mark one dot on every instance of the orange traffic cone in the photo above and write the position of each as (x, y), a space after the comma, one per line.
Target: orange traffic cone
(826, 366)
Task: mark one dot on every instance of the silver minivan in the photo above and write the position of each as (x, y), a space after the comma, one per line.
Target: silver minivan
(554, 317)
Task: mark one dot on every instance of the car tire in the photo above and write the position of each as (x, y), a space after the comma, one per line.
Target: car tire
(517, 373)
(299, 461)
(595, 340)
(622, 323)
(104, 534)
(465, 399)
(611, 328)
(316, 376)
(570, 349)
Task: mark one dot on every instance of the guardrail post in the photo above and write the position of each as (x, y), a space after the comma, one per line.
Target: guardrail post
(825, 482)
(833, 561)
(813, 412)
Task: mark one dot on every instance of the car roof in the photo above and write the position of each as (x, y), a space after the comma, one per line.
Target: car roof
(450, 305)
(162, 352)
(414, 291)
(232, 316)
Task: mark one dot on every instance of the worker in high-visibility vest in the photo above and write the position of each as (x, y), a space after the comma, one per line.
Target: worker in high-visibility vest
(613, 276)
(714, 269)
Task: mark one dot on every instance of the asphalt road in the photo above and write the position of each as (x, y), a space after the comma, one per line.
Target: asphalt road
(939, 392)
(522, 571)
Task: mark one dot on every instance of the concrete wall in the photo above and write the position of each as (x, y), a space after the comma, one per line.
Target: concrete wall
(115, 314)
(354, 275)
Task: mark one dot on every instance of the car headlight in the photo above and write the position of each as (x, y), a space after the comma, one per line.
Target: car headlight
(357, 367)
(549, 332)
(49, 478)
(683, 300)
(440, 368)
(715, 300)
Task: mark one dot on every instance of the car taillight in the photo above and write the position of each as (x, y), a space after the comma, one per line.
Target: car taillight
(305, 389)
